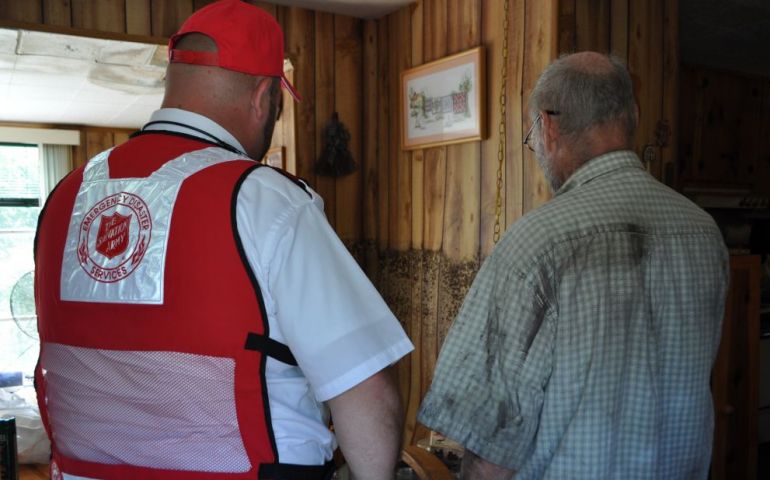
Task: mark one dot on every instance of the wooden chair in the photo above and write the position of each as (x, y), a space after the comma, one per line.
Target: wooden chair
(426, 465)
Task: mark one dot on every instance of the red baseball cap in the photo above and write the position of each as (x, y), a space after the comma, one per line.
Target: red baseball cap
(248, 40)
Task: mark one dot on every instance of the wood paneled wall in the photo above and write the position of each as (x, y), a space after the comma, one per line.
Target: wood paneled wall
(327, 53)
(645, 35)
(429, 214)
(725, 130)
(96, 139)
(149, 18)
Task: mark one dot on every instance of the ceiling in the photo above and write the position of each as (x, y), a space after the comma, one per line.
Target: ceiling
(53, 78)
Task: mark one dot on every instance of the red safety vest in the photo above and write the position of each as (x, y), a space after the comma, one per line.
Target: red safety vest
(107, 364)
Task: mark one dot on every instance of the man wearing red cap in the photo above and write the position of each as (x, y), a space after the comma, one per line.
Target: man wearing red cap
(197, 313)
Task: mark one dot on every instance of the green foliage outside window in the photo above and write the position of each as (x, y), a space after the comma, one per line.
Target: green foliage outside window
(20, 200)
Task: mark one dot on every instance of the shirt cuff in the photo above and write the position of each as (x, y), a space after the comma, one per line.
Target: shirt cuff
(363, 371)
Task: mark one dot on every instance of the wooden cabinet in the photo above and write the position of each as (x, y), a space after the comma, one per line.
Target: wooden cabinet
(735, 378)
(724, 129)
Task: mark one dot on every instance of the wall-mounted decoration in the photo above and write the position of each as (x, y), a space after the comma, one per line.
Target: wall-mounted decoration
(442, 102)
(336, 159)
(275, 158)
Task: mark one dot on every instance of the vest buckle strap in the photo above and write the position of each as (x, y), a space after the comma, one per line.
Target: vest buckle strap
(288, 471)
(270, 347)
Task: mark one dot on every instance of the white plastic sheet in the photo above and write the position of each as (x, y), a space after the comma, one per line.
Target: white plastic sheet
(31, 439)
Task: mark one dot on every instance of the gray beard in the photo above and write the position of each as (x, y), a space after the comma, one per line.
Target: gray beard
(547, 167)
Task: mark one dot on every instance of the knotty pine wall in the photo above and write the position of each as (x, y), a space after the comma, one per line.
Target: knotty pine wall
(645, 35)
(430, 213)
(725, 130)
(145, 18)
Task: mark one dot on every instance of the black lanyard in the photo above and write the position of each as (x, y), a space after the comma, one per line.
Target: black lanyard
(215, 140)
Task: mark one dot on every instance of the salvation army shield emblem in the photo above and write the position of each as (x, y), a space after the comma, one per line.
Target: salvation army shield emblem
(112, 237)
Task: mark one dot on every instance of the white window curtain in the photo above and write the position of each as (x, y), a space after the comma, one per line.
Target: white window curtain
(55, 162)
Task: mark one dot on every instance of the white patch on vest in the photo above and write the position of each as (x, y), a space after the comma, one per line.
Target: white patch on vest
(115, 250)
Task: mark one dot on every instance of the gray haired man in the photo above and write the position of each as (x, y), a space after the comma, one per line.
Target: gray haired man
(584, 347)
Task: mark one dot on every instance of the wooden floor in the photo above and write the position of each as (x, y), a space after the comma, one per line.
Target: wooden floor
(33, 472)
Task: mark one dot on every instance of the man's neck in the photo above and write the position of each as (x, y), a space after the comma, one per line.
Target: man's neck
(594, 143)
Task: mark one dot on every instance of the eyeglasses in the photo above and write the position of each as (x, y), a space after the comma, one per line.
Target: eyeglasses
(532, 128)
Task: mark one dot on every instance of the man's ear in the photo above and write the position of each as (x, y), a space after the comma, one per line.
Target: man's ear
(550, 131)
(260, 98)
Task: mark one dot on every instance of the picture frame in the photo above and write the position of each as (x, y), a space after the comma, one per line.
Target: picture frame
(443, 102)
(275, 157)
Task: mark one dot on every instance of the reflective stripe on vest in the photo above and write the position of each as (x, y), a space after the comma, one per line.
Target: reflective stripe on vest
(117, 238)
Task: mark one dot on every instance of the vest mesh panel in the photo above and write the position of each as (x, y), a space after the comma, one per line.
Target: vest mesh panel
(185, 419)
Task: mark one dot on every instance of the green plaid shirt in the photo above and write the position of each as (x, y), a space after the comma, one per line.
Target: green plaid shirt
(584, 347)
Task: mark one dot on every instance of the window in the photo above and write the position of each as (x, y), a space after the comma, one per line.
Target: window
(21, 199)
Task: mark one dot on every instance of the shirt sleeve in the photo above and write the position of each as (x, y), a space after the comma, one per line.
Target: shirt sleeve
(330, 315)
(488, 387)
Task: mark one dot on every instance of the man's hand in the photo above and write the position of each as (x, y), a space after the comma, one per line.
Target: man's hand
(368, 420)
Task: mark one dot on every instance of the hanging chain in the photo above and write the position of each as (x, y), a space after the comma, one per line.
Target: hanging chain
(501, 129)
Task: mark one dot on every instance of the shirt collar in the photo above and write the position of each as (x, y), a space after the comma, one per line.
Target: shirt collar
(185, 117)
(601, 165)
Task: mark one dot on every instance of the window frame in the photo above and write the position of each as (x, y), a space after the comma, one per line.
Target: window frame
(21, 201)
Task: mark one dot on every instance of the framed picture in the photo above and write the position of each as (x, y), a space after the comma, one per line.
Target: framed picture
(275, 158)
(442, 102)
